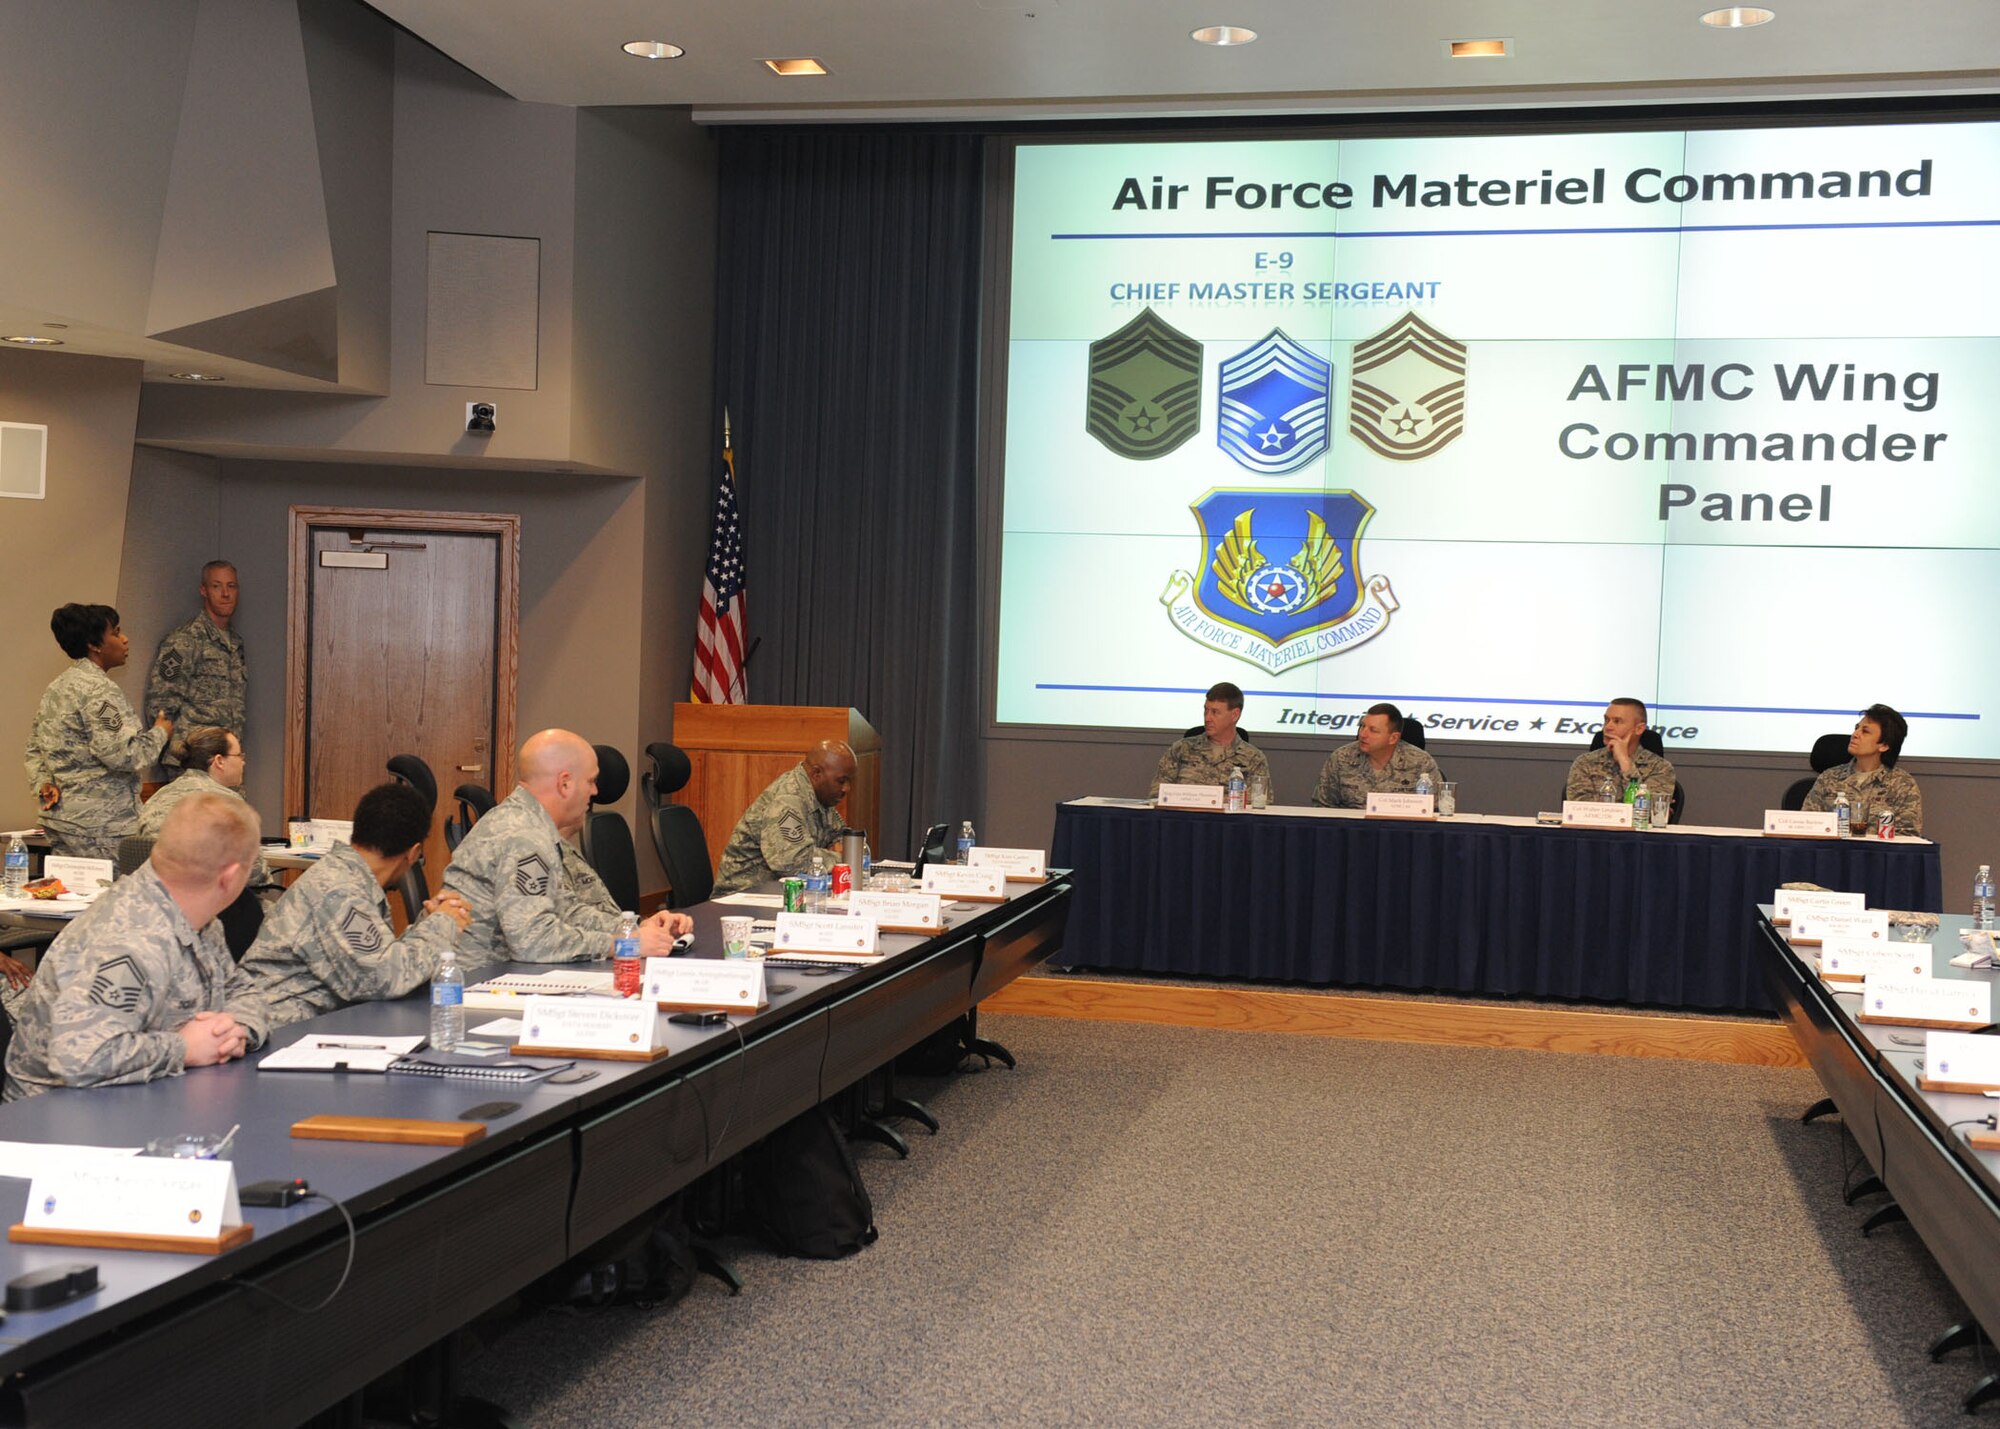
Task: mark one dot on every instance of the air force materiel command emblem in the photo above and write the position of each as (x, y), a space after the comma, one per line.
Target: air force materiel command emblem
(1145, 388)
(1279, 582)
(1273, 416)
(1406, 390)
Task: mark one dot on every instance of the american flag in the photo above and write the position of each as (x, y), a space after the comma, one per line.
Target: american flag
(718, 634)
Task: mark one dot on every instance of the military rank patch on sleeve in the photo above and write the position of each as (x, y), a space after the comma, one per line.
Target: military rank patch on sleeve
(359, 932)
(108, 718)
(792, 826)
(171, 665)
(531, 875)
(119, 985)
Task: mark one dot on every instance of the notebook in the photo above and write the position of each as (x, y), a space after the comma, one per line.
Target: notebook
(450, 1064)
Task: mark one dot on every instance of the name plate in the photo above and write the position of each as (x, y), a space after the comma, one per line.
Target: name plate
(621, 1028)
(899, 912)
(1403, 806)
(141, 1197)
(851, 933)
(705, 984)
(1812, 926)
(87, 876)
(1188, 796)
(1855, 959)
(1021, 865)
(1787, 901)
(965, 883)
(1797, 824)
(1927, 1001)
(1960, 1062)
(318, 835)
(1589, 814)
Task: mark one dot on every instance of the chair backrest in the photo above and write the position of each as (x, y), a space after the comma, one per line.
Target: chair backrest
(241, 922)
(607, 846)
(1794, 797)
(1413, 733)
(683, 851)
(1827, 751)
(669, 775)
(416, 891)
(412, 771)
(133, 850)
(1242, 734)
(473, 800)
(1649, 738)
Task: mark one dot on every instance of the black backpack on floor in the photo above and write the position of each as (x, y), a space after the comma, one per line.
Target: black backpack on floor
(803, 1192)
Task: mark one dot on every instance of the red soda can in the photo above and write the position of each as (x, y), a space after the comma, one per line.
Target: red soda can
(843, 878)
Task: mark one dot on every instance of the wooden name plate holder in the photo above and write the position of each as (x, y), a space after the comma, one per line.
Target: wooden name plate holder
(115, 1240)
(595, 1054)
(393, 1130)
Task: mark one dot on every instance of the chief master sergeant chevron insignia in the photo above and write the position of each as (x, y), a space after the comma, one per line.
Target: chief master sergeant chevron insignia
(1406, 390)
(1145, 388)
(1273, 416)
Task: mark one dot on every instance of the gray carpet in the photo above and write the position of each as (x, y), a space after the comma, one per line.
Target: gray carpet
(1148, 1225)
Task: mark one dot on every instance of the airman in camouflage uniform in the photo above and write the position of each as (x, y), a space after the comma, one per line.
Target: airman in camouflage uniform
(1626, 762)
(1870, 778)
(87, 751)
(794, 815)
(1207, 757)
(329, 942)
(1349, 776)
(530, 904)
(153, 813)
(133, 989)
(198, 673)
(1197, 759)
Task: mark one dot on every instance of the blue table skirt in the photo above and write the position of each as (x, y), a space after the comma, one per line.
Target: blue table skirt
(1663, 919)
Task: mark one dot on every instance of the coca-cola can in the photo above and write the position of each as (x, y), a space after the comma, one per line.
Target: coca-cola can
(1885, 823)
(843, 878)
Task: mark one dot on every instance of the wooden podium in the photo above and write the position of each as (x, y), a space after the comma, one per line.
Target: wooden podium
(736, 750)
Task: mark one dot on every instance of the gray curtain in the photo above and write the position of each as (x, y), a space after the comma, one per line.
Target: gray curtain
(847, 355)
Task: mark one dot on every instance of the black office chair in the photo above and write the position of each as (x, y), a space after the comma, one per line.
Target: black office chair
(133, 850)
(1413, 733)
(607, 838)
(1827, 751)
(473, 800)
(416, 886)
(1649, 738)
(677, 833)
(241, 920)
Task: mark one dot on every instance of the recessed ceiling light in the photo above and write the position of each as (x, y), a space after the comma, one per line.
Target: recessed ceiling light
(652, 50)
(1477, 49)
(797, 66)
(196, 376)
(1738, 17)
(30, 340)
(1222, 35)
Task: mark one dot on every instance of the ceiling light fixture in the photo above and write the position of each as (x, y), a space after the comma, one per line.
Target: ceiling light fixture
(196, 376)
(1477, 49)
(30, 340)
(652, 50)
(1222, 35)
(1738, 17)
(797, 66)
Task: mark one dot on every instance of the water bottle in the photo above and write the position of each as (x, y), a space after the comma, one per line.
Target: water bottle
(1424, 783)
(1233, 801)
(447, 1003)
(867, 865)
(1642, 810)
(1843, 816)
(1982, 898)
(17, 867)
(967, 841)
(626, 969)
(819, 882)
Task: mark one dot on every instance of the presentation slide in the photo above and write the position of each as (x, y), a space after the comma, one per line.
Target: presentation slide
(1498, 428)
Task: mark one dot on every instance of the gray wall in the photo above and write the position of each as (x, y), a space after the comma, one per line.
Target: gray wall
(1029, 772)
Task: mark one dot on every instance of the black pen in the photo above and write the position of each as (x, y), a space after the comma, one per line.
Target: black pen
(352, 1046)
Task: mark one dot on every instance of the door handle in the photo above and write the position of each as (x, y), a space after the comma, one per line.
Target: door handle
(472, 768)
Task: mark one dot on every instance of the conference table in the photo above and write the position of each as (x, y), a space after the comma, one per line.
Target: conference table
(444, 1233)
(1947, 1190)
(1481, 904)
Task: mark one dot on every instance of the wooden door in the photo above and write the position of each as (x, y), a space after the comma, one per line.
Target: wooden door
(402, 642)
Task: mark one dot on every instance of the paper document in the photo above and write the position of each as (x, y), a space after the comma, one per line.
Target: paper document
(503, 1027)
(23, 1160)
(752, 900)
(359, 1052)
(501, 994)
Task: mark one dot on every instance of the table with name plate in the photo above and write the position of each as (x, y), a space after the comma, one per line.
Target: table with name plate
(1480, 904)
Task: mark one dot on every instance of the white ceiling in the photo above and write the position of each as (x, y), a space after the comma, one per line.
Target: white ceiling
(1055, 58)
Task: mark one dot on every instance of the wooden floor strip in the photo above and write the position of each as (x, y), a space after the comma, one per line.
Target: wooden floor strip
(1455, 1024)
